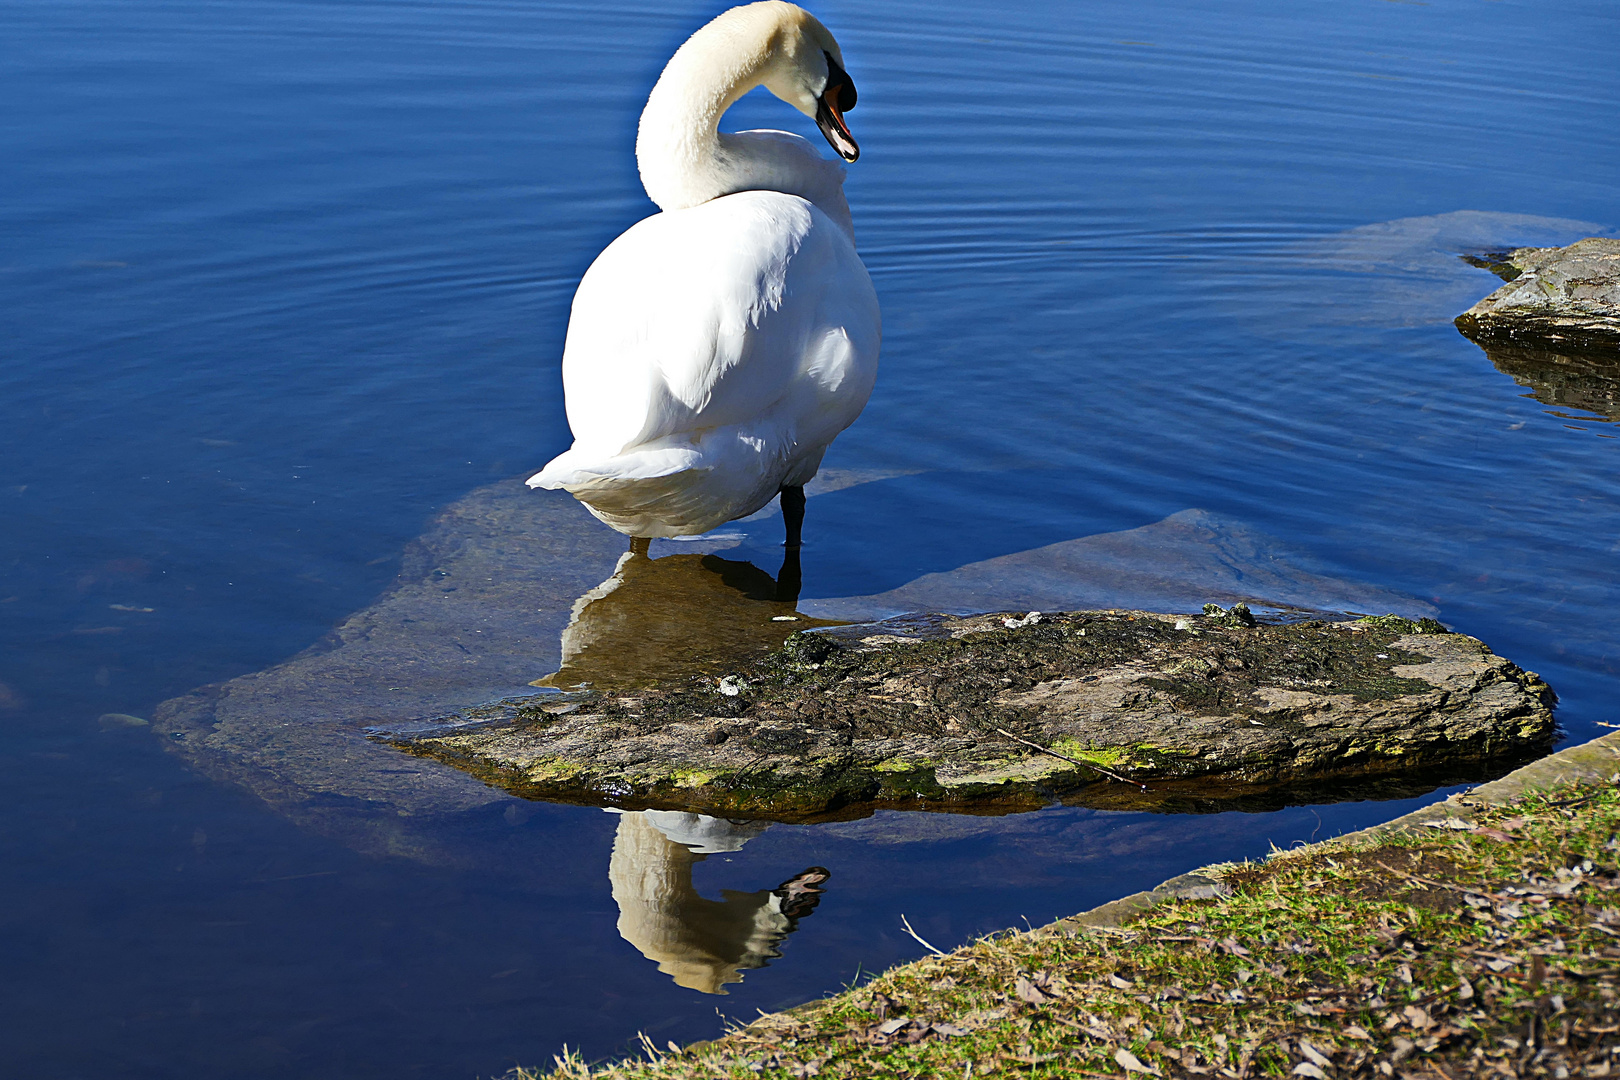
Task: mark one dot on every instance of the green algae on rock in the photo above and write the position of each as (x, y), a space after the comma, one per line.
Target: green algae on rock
(999, 713)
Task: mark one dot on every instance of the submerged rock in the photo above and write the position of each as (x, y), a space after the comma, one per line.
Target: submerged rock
(1000, 712)
(509, 584)
(1394, 273)
(1564, 298)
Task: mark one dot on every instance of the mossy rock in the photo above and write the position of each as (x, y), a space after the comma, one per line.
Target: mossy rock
(997, 713)
(1561, 298)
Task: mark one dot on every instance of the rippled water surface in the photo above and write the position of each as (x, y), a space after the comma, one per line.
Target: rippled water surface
(281, 281)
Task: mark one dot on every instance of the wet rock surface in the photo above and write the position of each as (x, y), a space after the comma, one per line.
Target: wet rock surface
(510, 585)
(1005, 712)
(1563, 298)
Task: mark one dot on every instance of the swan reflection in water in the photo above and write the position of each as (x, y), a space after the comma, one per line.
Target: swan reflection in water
(702, 944)
(665, 618)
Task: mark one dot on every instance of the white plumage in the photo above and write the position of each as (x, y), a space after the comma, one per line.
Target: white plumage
(716, 349)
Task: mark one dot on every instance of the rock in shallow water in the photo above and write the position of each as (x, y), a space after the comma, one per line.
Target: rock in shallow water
(1561, 297)
(972, 713)
(508, 584)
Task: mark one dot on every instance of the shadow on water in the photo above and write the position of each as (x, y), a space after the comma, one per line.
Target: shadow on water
(1181, 797)
(1587, 381)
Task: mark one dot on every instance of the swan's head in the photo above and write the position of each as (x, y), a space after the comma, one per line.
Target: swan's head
(684, 159)
(805, 68)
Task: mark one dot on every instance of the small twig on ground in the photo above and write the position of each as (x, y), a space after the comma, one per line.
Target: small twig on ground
(1066, 757)
(919, 937)
(1444, 885)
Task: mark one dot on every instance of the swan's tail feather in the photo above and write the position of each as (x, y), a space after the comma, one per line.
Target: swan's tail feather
(672, 505)
(663, 492)
(572, 469)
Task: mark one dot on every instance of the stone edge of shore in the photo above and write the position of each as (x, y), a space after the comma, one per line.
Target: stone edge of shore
(1596, 761)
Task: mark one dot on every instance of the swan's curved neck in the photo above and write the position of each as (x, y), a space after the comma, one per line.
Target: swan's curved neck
(686, 161)
(679, 148)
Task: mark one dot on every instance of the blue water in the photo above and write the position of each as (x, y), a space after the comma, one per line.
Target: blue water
(279, 280)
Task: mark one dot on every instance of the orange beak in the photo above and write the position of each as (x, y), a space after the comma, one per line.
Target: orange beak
(837, 99)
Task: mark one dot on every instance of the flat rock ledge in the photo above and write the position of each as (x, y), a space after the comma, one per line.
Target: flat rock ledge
(998, 713)
(1565, 297)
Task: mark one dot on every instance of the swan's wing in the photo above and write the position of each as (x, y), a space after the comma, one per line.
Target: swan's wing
(715, 316)
(768, 160)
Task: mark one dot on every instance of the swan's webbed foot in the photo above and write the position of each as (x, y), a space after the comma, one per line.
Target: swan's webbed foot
(793, 516)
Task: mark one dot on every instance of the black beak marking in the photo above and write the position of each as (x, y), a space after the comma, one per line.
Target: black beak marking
(837, 76)
(837, 99)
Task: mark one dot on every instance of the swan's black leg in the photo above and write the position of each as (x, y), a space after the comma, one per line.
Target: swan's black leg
(640, 545)
(793, 515)
(789, 579)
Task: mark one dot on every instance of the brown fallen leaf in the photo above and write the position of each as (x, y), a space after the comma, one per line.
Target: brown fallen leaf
(1131, 1063)
(1316, 1056)
(1028, 991)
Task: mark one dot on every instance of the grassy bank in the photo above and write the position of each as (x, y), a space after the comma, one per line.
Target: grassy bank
(1491, 950)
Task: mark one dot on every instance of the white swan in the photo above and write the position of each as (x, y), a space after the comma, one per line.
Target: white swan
(716, 349)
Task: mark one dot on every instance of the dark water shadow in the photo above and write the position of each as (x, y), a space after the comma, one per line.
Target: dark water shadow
(1216, 797)
(1587, 381)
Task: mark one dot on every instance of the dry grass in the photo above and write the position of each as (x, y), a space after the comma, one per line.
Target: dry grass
(1455, 953)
